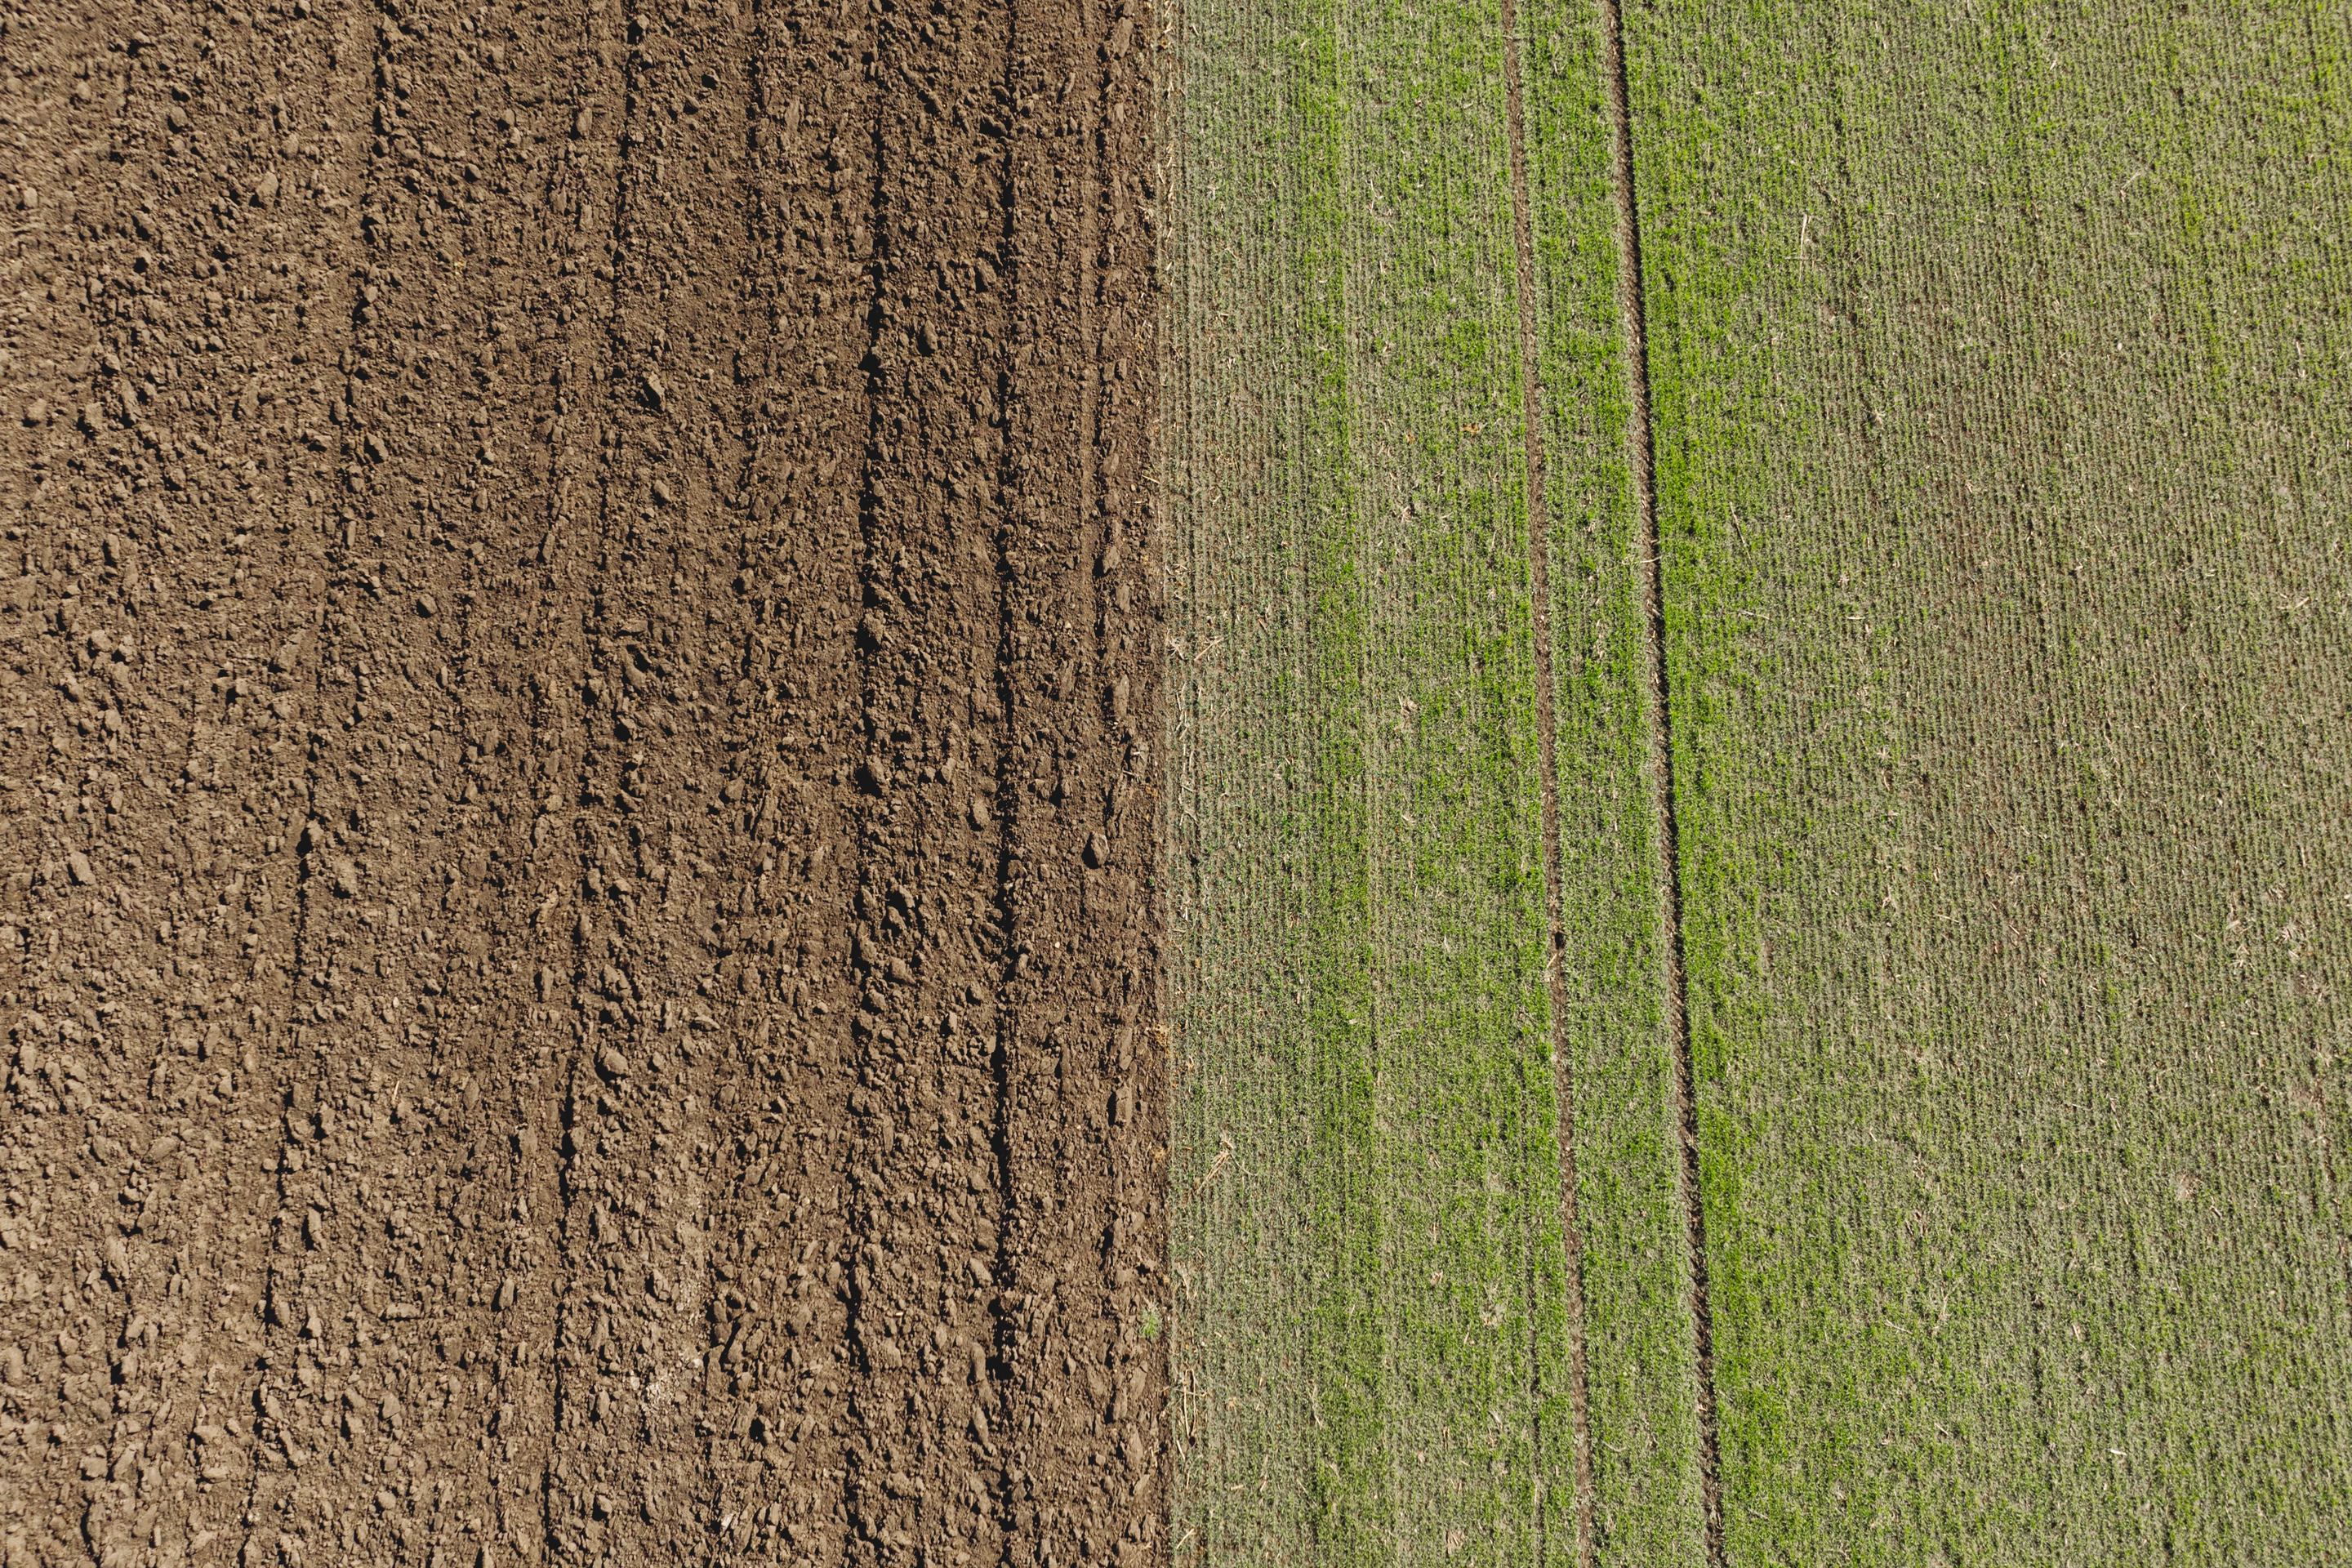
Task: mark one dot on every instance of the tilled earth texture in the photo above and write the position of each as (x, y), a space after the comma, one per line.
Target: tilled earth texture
(579, 749)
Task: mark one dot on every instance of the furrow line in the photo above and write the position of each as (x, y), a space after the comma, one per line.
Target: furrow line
(585, 185)
(1005, 479)
(777, 1340)
(1078, 1319)
(1642, 452)
(1532, 393)
(927, 1418)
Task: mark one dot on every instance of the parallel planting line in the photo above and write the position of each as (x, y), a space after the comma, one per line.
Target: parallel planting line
(1642, 449)
(1556, 943)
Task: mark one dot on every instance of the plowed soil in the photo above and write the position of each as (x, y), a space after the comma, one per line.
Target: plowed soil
(578, 737)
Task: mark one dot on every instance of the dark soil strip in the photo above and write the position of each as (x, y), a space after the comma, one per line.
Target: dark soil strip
(780, 1319)
(927, 1202)
(1532, 393)
(1084, 1246)
(1643, 442)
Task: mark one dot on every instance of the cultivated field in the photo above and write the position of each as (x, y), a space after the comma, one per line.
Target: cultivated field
(1943, 724)
(1380, 1326)
(923, 785)
(1999, 371)
(580, 726)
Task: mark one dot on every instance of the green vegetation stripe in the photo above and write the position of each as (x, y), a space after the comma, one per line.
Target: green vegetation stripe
(1372, 1353)
(1998, 366)
(1251, 433)
(1473, 1263)
(1640, 1358)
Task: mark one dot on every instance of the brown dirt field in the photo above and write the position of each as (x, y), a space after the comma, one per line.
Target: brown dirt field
(577, 736)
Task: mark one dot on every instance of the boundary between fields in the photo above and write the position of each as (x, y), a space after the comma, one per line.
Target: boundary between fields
(1642, 448)
(1555, 952)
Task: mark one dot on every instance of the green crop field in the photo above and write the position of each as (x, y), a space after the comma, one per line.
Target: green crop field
(1372, 1306)
(1846, 547)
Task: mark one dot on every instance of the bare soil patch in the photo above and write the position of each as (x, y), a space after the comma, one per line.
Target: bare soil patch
(579, 732)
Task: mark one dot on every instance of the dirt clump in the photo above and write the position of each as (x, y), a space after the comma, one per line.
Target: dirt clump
(579, 745)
